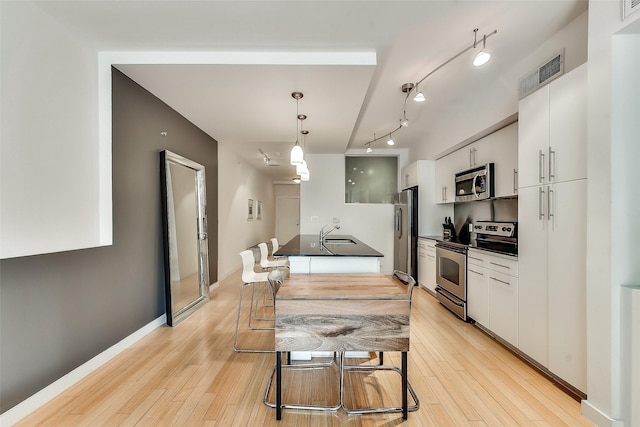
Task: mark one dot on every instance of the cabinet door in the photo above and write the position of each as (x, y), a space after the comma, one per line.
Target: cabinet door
(422, 265)
(567, 155)
(478, 294)
(505, 157)
(532, 267)
(409, 176)
(446, 168)
(567, 282)
(503, 306)
(533, 138)
(431, 269)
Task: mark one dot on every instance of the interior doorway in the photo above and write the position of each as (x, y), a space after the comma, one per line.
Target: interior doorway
(287, 218)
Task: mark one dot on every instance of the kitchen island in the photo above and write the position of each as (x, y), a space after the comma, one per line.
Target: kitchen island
(335, 254)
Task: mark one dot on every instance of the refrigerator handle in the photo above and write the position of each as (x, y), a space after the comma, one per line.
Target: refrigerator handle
(399, 222)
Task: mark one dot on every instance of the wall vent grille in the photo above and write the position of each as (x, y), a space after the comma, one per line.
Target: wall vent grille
(542, 75)
(629, 7)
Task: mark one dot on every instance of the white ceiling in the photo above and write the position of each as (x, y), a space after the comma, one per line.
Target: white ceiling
(248, 105)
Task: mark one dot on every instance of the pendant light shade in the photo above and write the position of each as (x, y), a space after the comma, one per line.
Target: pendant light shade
(390, 141)
(302, 168)
(419, 97)
(481, 58)
(296, 155)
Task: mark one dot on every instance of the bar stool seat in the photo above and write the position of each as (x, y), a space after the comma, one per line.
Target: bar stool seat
(266, 263)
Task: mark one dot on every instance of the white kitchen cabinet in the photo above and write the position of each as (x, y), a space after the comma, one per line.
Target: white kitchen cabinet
(499, 148)
(503, 306)
(409, 176)
(427, 263)
(532, 265)
(553, 131)
(477, 290)
(567, 282)
(552, 227)
(492, 293)
(446, 168)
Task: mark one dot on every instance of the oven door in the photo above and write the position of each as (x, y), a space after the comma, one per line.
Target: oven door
(451, 270)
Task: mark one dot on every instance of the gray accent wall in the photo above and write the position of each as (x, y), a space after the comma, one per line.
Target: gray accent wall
(57, 311)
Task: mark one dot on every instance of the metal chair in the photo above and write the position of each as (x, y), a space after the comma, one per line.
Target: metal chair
(411, 284)
(250, 277)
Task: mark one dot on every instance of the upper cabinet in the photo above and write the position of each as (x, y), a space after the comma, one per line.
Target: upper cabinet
(499, 148)
(552, 145)
(409, 176)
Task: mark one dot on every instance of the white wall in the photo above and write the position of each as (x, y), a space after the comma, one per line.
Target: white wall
(608, 191)
(50, 173)
(238, 182)
(323, 196)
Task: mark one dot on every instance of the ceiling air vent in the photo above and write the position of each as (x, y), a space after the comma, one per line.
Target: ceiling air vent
(629, 7)
(542, 75)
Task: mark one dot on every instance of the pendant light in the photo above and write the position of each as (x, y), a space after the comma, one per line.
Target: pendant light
(419, 96)
(483, 56)
(296, 152)
(390, 141)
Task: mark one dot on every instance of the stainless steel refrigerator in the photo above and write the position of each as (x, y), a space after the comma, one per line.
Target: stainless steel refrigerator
(405, 244)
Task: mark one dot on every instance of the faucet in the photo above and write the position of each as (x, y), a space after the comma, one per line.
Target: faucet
(323, 233)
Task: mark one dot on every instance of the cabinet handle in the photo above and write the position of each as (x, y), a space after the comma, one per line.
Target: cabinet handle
(541, 165)
(477, 259)
(552, 164)
(540, 203)
(550, 192)
(501, 281)
(444, 198)
(515, 180)
(475, 150)
(477, 272)
(499, 265)
(431, 256)
(471, 157)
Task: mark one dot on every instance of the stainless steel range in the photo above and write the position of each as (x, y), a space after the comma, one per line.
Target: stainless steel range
(451, 260)
(451, 276)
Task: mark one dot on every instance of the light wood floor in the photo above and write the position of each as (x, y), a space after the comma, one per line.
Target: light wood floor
(189, 375)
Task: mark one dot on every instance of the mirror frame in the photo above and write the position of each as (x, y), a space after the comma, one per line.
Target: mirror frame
(167, 158)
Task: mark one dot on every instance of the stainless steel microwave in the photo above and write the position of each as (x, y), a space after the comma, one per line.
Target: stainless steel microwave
(475, 184)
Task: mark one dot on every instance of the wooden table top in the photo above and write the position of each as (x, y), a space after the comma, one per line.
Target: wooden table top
(341, 286)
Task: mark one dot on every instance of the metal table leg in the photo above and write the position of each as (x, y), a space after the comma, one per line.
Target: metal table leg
(278, 385)
(405, 408)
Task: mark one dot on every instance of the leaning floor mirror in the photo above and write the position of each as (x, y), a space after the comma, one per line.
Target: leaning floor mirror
(186, 260)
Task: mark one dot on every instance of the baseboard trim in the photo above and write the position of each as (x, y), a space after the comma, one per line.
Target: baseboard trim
(36, 401)
(598, 417)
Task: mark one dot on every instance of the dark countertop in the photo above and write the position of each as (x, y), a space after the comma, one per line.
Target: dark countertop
(309, 245)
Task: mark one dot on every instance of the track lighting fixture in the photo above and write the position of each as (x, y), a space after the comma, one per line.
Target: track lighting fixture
(483, 56)
(390, 141)
(412, 88)
(419, 96)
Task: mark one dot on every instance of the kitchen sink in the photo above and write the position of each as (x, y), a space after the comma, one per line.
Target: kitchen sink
(338, 241)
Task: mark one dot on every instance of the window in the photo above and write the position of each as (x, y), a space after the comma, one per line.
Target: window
(370, 179)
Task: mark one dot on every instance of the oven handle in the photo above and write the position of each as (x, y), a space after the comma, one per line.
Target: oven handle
(450, 248)
(440, 291)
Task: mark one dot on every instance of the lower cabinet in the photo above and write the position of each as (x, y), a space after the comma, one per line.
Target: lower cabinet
(427, 264)
(492, 293)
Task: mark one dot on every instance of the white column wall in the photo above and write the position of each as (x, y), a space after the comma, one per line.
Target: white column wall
(51, 176)
(608, 188)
